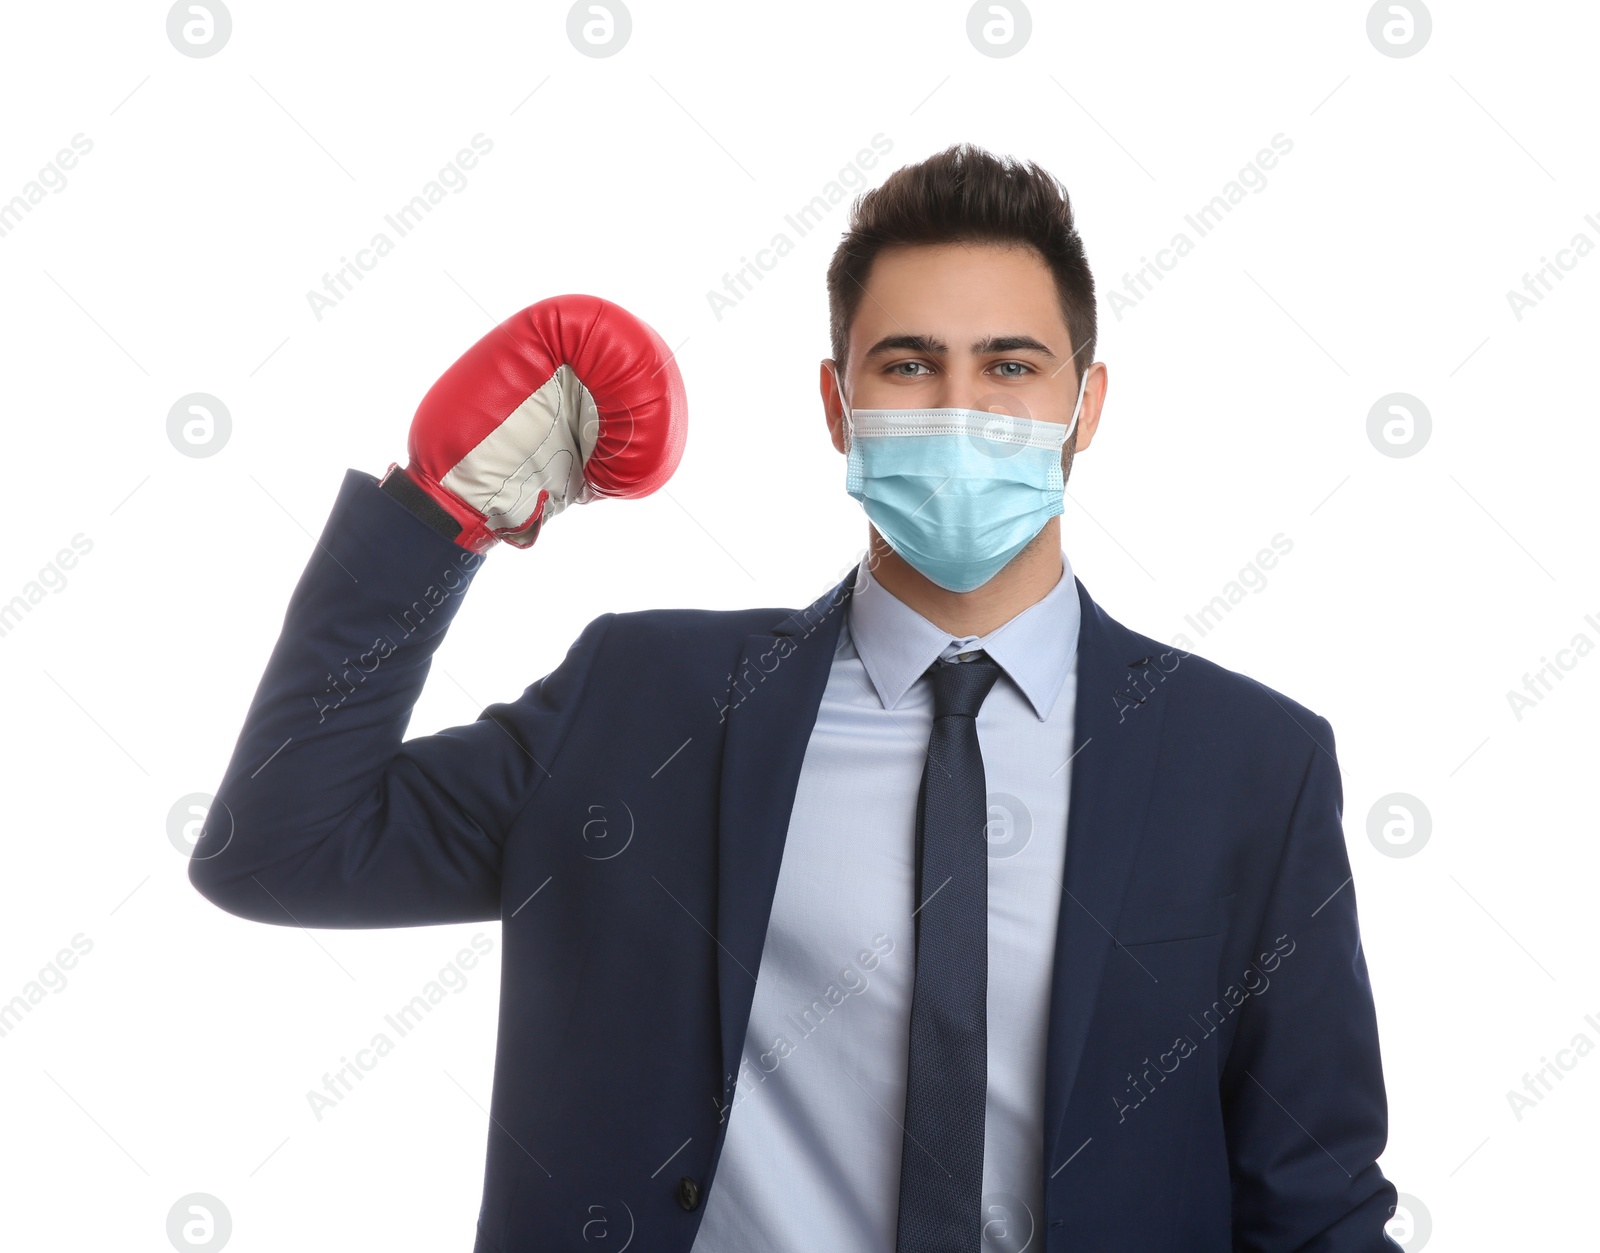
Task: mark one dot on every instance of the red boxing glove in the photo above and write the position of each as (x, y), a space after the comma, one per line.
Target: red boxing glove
(571, 399)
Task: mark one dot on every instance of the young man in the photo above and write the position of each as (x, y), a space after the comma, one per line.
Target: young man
(945, 913)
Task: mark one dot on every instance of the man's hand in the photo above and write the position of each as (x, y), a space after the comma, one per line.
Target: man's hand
(571, 399)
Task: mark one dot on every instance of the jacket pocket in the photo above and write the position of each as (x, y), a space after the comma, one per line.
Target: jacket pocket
(1159, 922)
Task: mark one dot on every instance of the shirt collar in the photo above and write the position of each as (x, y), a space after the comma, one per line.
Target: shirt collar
(1036, 647)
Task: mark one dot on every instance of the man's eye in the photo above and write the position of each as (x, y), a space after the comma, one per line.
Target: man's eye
(898, 367)
(1021, 365)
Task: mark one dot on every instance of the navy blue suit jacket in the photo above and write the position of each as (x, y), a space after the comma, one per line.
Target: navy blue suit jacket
(1213, 1080)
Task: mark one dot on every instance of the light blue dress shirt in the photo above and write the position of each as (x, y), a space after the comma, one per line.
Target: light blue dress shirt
(812, 1156)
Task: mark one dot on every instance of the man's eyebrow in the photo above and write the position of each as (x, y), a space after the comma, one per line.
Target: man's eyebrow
(938, 348)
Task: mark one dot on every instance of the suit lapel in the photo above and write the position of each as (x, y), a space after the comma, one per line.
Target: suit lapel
(772, 706)
(1117, 727)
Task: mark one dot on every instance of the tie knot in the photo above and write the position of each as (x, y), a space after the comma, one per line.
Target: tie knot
(959, 687)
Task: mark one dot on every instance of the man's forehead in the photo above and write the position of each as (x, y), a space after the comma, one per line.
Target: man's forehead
(959, 297)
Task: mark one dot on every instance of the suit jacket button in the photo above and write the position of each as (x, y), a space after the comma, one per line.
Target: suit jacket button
(688, 1193)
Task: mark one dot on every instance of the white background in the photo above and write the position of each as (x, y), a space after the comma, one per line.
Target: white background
(219, 190)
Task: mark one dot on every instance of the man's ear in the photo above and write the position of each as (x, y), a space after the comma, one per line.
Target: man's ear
(1094, 397)
(832, 403)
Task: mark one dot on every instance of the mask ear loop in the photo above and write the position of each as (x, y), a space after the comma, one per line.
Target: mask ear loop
(1072, 426)
(849, 422)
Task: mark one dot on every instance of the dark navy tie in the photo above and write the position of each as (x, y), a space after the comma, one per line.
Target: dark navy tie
(941, 1164)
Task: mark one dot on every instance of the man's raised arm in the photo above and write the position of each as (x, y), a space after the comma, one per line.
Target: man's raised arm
(325, 816)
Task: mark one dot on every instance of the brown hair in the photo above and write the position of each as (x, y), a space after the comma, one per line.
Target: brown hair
(965, 194)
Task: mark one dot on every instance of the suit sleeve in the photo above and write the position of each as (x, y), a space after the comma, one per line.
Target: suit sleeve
(325, 817)
(1303, 1094)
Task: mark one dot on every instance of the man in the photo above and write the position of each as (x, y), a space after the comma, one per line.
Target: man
(945, 913)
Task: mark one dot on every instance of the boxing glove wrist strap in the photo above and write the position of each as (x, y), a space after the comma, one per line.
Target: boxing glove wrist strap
(403, 488)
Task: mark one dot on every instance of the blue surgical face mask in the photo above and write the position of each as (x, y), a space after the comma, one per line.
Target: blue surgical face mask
(957, 493)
